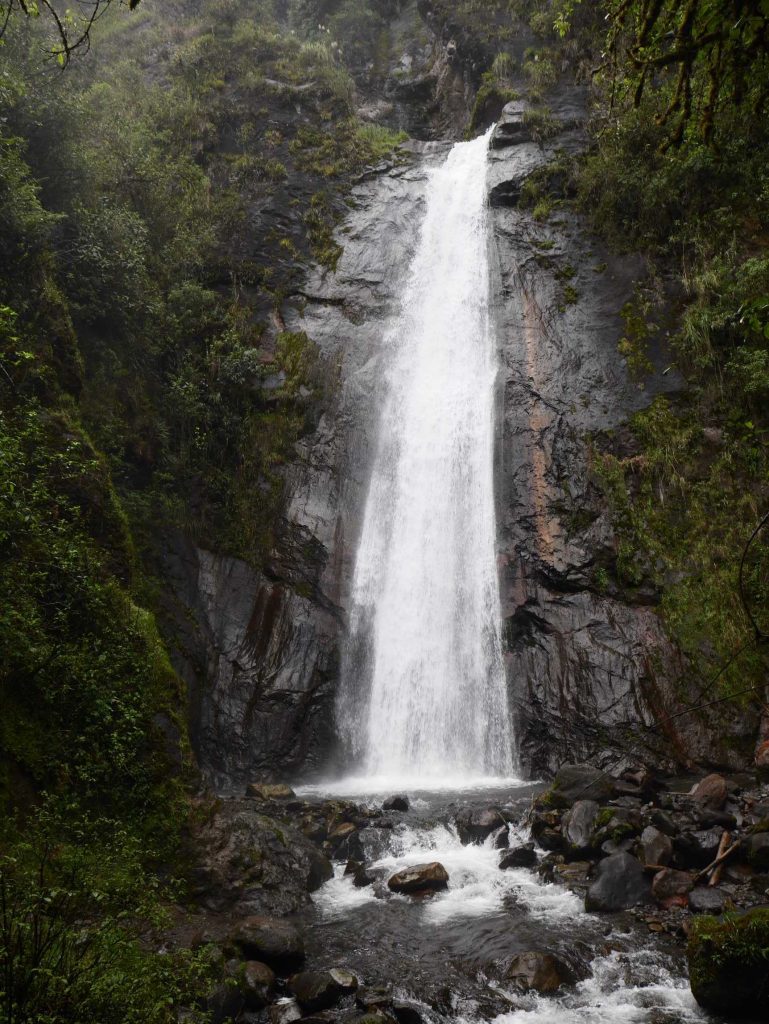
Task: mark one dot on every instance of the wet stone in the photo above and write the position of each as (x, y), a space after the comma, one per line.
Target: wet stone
(706, 900)
(269, 940)
(396, 803)
(711, 792)
(620, 884)
(419, 878)
(657, 847)
(671, 887)
(540, 972)
(320, 990)
(519, 857)
(578, 824)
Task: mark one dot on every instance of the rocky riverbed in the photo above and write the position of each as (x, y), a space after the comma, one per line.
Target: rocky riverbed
(508, 903)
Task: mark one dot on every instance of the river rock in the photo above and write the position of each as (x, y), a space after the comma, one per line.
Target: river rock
(225, 1003)
(285, 1011)
(671, 888)
(582, 782)
(502, 838)
(664, 822)
(540, 972)
(707, 900)
(519, 857)
(320, 990)
(657, 847)
(396, 803)
(757, 850)
(697, 849)
(276, 943)
(578, 824)
(475, 824)
(619, 884)
(573, 875)
(269, 791)
(711, 792)
(419, 878)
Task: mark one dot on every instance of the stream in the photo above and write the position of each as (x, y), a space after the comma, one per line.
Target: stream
(449, 951)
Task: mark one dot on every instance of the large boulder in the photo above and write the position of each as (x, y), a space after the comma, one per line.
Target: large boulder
(320, 990)
(279, 944)
(757, 850)
(707, 900)
(656, 846)
(619, 884)
(254, 981)
(519, 857)
(419, 878)
(538, 972)
(711, 792)
(475, 824)
(396, 803)
(728, 965)
(671, 888)
(578, 825)
(581, 782)
(248, 863)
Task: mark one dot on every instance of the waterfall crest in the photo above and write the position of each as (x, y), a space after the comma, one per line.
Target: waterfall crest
(423, 694)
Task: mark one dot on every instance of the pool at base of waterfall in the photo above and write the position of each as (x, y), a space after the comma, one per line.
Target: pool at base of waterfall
(450, 951)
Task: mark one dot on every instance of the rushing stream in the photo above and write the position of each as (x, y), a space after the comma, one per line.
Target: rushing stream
(424, 707)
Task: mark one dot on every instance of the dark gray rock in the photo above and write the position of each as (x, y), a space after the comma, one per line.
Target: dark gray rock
(285, 1011)
(707, 900)
(538, 972)
(579, 823)
(757, 851)
(575, 782)
(419, 878)
(619, 884)
(657, 847)
(396, 803)
(250, 863)
(475, 824)
(320, 990)
(519, 857)
(277, 943)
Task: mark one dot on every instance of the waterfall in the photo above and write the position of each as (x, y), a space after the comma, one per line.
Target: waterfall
(423, 692)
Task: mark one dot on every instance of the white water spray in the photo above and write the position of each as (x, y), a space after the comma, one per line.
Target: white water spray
(424, 694)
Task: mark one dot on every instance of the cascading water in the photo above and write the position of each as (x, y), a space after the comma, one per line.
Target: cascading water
(424, 694)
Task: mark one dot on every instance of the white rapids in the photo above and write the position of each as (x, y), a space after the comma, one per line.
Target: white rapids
(424, 692)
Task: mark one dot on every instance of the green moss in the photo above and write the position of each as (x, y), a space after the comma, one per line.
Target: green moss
(729, 962)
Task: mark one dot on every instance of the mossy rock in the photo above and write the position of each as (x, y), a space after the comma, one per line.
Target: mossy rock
(729, 964)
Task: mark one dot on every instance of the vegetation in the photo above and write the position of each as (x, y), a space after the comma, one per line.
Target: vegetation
(729, 963)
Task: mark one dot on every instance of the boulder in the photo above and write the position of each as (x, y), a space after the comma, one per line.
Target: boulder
(619, 884)
(728, 967)
(224, 1003)
(419, 878)
(320, 990)
(697, 849)
(269, 791)
(657, 847)
(757, 850)
(573, 875)
(711, 792)
(664, 822)
(671, 888)
(762, 756)
(519, 857)
(475, 824)
(248, 863)
(372, 997)
(707, 900)
(396, 803)
(502, 838)
(538, 972)
(276, 943)
(285, 1011)
(579, 824)
(581, 782)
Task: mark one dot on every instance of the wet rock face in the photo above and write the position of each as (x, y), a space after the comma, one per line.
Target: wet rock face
(538, 972)
(586, 664)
